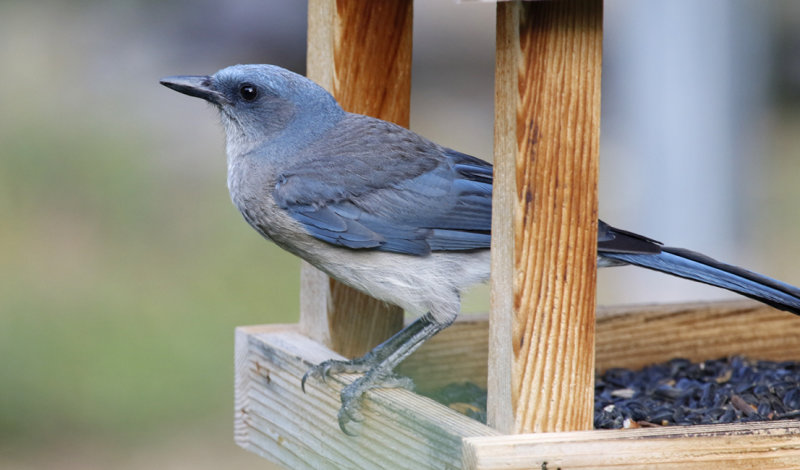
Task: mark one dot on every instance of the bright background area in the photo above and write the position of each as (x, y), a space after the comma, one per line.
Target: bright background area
(124, 268)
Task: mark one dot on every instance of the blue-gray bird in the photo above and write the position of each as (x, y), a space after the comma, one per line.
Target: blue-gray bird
(388, 212)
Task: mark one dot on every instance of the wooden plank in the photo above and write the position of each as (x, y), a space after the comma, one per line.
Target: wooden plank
(372, 58)
(275, 419)
(548, 105)
(360, 51)
(773, 445)
(636, 336)
(499, 410)
(630, 336)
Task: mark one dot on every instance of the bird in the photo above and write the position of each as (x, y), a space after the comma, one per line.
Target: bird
(388, 212)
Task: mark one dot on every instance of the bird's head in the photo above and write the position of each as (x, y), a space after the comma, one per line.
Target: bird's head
(261, 103)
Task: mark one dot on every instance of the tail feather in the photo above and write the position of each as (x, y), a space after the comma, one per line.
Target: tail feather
(701, 268)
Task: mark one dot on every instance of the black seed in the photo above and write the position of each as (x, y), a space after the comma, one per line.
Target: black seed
(677, 392)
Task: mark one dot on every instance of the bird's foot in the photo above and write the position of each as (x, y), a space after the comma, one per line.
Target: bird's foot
(325, 369)
(353, 394)
(374, 376)
(377, 367)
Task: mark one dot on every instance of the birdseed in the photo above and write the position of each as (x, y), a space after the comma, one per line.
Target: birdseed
(676, 392)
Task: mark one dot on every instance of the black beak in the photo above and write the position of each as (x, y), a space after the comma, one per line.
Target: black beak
(194, 85)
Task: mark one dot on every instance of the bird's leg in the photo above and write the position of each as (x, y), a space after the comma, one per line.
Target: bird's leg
(377, 365)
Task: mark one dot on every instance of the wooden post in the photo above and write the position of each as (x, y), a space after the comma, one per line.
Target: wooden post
(360, 51)
(544, 227)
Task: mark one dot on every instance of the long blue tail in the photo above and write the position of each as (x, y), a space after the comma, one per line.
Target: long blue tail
(697, 267)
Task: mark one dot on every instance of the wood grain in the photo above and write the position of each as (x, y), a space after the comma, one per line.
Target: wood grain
(372, 58)
(636, 336)
(402, 430)
(499, 411)
(773, 445)
(360, 51)
(549, 58)
(275, 419)
(629, 336)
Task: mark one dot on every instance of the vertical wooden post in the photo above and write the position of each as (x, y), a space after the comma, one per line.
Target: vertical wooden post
(544, 226)
(360, 51)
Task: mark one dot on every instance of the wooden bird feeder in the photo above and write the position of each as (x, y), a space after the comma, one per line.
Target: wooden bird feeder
(539, 348)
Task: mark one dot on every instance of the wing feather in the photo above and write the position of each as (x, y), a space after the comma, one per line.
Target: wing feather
(403, 194)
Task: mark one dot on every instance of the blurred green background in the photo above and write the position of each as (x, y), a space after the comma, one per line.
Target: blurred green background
(123, 266)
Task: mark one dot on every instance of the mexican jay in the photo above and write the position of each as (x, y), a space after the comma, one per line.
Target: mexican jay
(388, 212)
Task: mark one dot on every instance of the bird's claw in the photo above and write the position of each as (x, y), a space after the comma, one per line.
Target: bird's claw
(325, 369)
(352, 394)
(350, 412)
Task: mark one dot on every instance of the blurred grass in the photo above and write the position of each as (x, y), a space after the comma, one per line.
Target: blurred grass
(123, 265)
(120, 286)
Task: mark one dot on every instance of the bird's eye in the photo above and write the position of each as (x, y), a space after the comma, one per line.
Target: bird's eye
(248, 91)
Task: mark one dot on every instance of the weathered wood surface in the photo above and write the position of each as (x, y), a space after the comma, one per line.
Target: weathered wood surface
(636, 336)
(629, 336)
(772, 445)
(360, 51)
(275, 419)
(549, 58)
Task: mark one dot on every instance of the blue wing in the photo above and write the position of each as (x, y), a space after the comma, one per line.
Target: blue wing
(431, 199)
